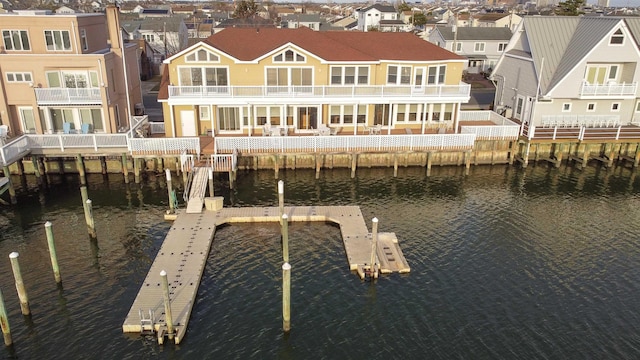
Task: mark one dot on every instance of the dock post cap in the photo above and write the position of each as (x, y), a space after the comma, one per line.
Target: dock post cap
(286, 266)
(163, 273)
(375, 219)
(285, 216)
(47, 224)
(89, 202)
(280, 187)
(14, 255)
(168, 174)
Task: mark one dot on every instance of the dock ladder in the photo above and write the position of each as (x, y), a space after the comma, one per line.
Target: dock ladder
(147, 324)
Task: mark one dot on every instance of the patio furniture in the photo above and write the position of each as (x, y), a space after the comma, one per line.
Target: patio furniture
(4, 133)
(85, 128)
(323, 130)
(334, 130)
(266, 129)
(66, 128)
(375, 129)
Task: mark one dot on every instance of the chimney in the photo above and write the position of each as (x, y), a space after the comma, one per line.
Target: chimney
(113, 26)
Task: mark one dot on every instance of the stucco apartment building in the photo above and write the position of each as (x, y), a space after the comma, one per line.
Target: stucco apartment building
(66, 73)
(245, 81)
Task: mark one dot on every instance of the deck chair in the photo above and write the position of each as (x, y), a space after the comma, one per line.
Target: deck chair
(66, 128)
(86, 128)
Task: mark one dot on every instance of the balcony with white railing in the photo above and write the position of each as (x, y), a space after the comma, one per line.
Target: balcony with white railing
(575, 121)
(62, 96)
(611, 90)
(488, 125)
(460, 91)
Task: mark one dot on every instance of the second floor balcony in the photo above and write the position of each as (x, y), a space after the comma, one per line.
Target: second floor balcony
(611, 90)
(427, 92)
(63, 96)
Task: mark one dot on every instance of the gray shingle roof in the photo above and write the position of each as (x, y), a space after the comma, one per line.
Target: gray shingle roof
(475, 33)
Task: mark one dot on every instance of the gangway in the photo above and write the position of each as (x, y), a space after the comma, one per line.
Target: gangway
(198, 189)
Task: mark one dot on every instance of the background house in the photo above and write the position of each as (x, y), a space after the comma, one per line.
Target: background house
(481, 46)
(371, 16)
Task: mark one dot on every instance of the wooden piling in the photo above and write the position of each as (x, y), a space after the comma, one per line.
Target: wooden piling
(36, 169)
(429, 162)
(318, 165)
(354, 162)
(12, 190)
(285, 238)
(61, 166)
(558, 155)
(395, 165)
(22, 292)
(373, 271)
(4, 322)
(81, 169)
(281, 198)
(286, 297)
(103, 164)
(136, 170)
(211, 182)
(52, 252)
(91, 225)
(467, 165)
(125, 168)
(169, 189)
(41, 168)
(276, 165)
(168, 319)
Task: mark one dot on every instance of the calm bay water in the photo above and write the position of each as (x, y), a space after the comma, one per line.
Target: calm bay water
(506, 263)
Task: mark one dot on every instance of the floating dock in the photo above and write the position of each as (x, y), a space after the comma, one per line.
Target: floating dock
(184, 252)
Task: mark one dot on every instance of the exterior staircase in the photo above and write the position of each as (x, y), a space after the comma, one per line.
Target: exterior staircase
(198, 190)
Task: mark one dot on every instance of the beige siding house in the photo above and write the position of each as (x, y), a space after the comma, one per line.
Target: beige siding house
(65, 73)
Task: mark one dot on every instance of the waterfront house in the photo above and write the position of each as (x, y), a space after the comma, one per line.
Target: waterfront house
(258, 81)
(481, 46)
(64, 73)
(570, 72)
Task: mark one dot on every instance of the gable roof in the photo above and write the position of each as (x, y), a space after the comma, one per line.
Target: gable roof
(251, 44)
(475, 33)
(562, 41)
(379, 7)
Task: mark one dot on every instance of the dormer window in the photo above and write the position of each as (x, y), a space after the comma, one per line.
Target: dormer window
(617, 38)
(202, 55)
(289, 56)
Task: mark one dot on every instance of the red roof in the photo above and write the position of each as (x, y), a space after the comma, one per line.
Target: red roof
(248, 44)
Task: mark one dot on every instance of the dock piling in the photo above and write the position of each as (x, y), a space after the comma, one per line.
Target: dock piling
(12, 190)
(136, 170)
(81, 169)
(88, 212)
(125, 168)
(22, 292)
(373, 272)
(211, 182)
(4, 322)
(167, 304)
(169, 189)
(281, 198)
(52, 252)
(285, 238)
(286, 297)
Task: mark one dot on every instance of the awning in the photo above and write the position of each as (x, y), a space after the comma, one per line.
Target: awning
(476, 57)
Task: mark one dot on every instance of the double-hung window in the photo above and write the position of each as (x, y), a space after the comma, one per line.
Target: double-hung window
(349, 75)
(436, 74)
(400, 75)
(57, 40)
(16, 40)
(478, 47)
(202, 76)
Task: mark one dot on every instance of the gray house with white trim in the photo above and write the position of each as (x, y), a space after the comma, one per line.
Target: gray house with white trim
(571, 72)
(481, 46)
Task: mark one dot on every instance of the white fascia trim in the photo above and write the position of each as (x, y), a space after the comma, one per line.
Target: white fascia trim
(195, 46)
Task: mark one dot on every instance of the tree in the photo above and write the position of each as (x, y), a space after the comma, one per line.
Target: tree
(570, 7)
(245, 9)
(403, 7)
(419, 19)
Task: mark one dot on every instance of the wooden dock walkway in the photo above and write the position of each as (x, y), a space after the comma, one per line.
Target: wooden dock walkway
(185, 249)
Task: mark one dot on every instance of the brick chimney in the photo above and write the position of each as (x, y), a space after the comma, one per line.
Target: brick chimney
(113, 26)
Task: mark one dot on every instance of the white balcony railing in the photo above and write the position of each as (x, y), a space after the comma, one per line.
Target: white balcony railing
(574, 121)
(165, 146)
(56, 96)
(609, 90)
(353, 92)
(503, 128)
(273, 144)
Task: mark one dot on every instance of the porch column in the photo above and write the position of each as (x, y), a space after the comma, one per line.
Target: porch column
(456, 120)
(173, 122)
(424, 117)
(391, 110)
(212, 115)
